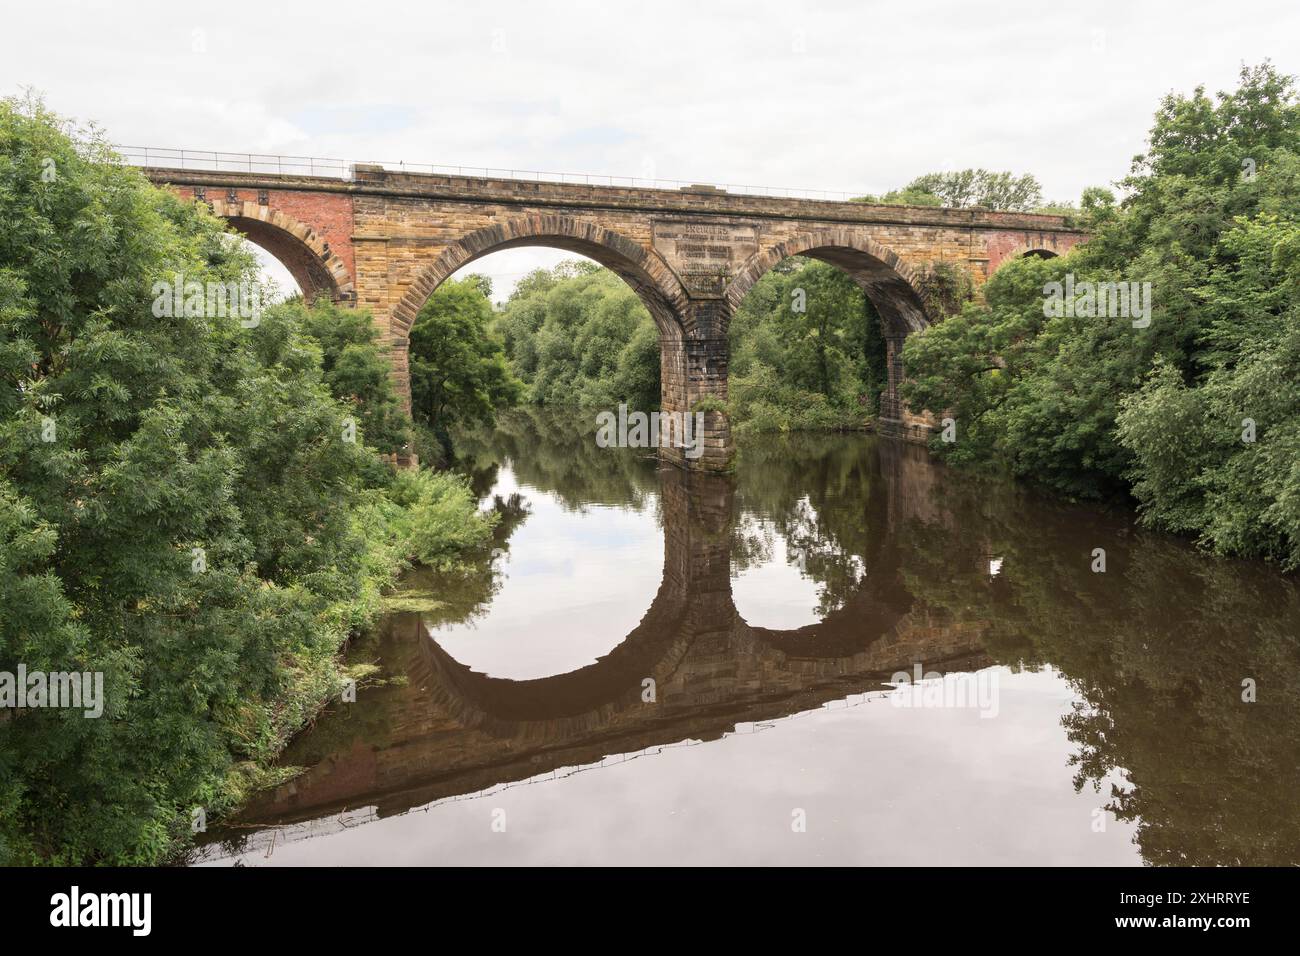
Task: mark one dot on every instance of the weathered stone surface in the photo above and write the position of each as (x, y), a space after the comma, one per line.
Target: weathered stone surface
(386, 240)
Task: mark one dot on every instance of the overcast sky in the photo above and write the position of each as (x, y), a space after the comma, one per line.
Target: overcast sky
(854, 95)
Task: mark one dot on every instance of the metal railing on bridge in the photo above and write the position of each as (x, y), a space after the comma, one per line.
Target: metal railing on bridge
(199, 159)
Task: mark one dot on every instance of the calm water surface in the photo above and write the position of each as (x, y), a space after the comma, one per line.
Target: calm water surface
(661, 669)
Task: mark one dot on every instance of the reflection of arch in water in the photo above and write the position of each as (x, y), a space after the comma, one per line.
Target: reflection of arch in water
(587, 690)
(693, 617)
(450, 731)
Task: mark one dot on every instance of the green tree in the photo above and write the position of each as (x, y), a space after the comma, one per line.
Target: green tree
(459, 372)
(357, 370)
(1217, 458)
(1106, 407)
(807, 351)
(967, 187)
(176, 501)
(579, 335)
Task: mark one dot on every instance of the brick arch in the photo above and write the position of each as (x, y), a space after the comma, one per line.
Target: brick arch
(644, 271)
(892, 285)
(314, 266)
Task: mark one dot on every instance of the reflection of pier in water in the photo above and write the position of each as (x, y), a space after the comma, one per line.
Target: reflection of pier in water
(450, 731)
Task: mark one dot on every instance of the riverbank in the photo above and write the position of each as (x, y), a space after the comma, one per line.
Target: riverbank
(422, 519)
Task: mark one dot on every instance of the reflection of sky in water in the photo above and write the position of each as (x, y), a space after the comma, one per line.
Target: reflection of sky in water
(777, 593)
(880, 785)
(574, 585)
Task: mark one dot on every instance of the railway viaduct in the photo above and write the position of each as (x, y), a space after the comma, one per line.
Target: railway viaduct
(384, 240)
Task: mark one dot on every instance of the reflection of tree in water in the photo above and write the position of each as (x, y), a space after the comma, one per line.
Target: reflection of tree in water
(1157, 647)
(753, 543)
(555, 450)
(552, 450)
(813, 491)
(818, 507)
(463, 593)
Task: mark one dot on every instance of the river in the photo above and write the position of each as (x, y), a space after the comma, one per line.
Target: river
(656, 668)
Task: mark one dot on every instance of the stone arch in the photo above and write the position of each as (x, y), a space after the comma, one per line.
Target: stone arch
(648, 275)
(314, 266)
(892, 285)
(1027, 248)
(644, 271)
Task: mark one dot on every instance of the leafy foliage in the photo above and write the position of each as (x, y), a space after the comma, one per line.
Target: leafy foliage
(1221, 458)
(179, 506)
(579, 335)
(357, 370)
(807, 351)
(459, 373)
(967, 187)
(437, 518)
(1101, 408)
